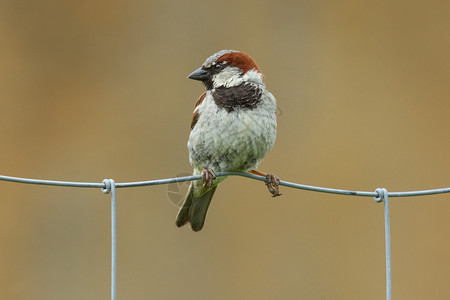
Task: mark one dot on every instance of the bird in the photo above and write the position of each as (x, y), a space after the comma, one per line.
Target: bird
(233, 127)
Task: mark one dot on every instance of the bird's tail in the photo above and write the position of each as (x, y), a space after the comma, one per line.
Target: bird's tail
(194, 209)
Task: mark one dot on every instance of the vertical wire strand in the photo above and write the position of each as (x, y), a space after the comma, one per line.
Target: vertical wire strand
(383, 196)
(113, 240)
(387, 233)
(109, 186)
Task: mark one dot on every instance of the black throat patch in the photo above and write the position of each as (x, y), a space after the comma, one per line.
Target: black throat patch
(244, 96)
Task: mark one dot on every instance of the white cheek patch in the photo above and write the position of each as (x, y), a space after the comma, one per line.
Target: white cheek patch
(230, 76)
(253, 76)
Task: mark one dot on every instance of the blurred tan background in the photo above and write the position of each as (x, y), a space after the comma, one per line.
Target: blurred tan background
(93, 90)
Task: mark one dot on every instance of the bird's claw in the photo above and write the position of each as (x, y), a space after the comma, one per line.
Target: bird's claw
(208, 177)
(273, 183)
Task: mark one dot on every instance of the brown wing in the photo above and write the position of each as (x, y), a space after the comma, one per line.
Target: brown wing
(196, 115)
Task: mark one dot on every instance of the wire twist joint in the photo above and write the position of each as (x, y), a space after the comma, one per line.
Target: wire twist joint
(108, 183)
(382, 195)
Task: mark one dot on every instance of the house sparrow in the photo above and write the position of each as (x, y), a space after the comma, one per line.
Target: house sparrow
(233, 127)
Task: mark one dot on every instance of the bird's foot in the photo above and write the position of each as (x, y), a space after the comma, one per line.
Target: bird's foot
(208, 177)
(273, 184)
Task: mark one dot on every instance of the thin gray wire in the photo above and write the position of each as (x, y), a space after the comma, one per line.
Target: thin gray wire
(108, 185)
(243, 174)
(52, 182)
(383, 197)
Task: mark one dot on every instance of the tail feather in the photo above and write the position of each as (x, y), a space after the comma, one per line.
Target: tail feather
(194, 210)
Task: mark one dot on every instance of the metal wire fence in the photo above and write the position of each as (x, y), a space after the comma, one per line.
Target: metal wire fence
(109, 186)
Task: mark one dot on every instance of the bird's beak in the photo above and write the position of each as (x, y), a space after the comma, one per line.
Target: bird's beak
(200, 74)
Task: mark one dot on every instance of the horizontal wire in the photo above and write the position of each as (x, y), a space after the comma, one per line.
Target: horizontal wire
(52, 182)
(243, 174)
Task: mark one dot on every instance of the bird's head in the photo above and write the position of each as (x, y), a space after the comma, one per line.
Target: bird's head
(227, 68)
